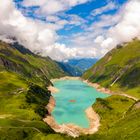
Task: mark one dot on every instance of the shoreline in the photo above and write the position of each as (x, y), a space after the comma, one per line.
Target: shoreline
(99, 88)
(108, 91)
(72, 129)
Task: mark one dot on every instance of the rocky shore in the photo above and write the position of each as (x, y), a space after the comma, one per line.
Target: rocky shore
(99, 88)
(65, 78)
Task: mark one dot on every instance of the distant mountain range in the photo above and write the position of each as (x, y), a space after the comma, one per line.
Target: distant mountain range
(76, 67)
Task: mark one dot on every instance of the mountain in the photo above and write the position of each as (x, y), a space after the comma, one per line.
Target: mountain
(16, 58)
(76, 67)
(69, 69)
(82, 64)
(24, 78)
(119, 69)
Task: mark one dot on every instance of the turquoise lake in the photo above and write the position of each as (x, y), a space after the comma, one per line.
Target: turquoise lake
(73, 98)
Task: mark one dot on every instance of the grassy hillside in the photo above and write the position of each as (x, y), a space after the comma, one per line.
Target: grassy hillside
(22, 107)
(22, 110)
(24, 78)
(119, 69)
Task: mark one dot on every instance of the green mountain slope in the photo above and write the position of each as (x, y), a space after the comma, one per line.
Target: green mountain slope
(24, 78)
(119, 69)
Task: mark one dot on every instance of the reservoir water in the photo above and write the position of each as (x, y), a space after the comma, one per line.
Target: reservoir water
(73, 98)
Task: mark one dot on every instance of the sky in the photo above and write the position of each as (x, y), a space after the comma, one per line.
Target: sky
(66, 29)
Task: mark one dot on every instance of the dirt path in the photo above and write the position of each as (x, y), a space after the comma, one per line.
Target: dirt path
(130, 97)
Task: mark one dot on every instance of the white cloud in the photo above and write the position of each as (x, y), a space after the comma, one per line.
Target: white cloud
(105, 21)
(99, 11)
(75, 20)
(52, 18)
(33, 35)
(99, 39)
(127, 28)
(107, 43)
(94, 41)
(37, 36)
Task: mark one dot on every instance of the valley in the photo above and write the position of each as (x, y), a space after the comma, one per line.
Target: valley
(24, 95)
(70, 70)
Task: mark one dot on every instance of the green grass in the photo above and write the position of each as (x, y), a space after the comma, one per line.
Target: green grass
(130, 91)
(49, 137)
(112, 109)
(11, 82)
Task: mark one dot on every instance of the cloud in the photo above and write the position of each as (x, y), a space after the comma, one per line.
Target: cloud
(105, 21)
(106, 8)
(75, 20)
(34, 35)
(99, 39)
(39, 37)
(128, 26)
(93, 41)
